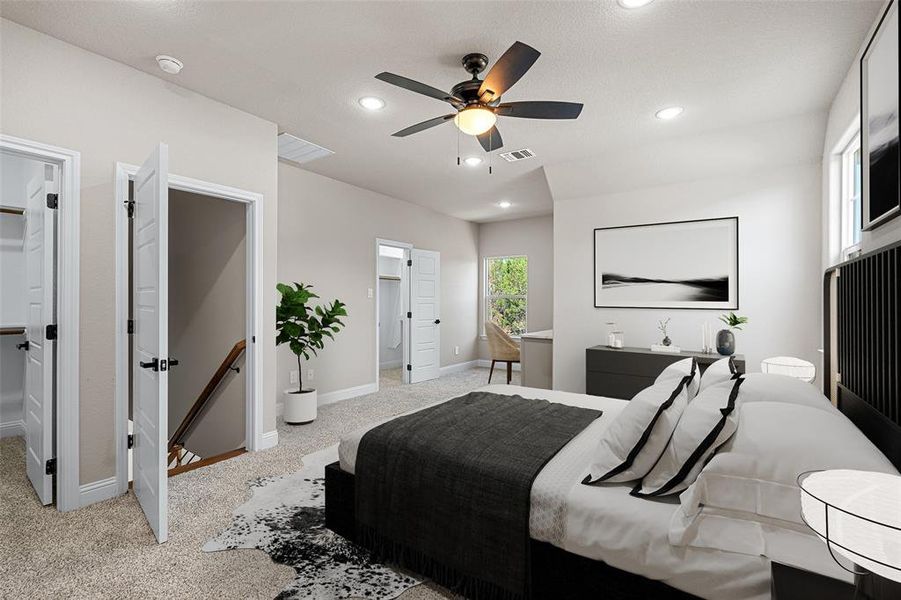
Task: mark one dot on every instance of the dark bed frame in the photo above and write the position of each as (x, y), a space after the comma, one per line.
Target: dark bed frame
(861, 307)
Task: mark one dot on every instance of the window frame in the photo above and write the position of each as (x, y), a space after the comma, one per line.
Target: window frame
(488, 297)
(850, 226)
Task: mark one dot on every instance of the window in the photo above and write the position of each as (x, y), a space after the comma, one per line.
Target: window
(851, 198)
(506, 289)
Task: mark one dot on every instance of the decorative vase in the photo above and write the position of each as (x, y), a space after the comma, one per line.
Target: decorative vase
(300, 407)
(667, 341)
(725, 342)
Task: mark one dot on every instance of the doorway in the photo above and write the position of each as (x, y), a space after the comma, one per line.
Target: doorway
(408, 308)
(38, 317)
(160, 308)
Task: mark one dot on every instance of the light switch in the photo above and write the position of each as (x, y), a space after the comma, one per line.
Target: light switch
(369, 292)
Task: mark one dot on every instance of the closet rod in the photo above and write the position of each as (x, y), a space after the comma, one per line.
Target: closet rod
(12, 331)
(12, 210)
(389, 277)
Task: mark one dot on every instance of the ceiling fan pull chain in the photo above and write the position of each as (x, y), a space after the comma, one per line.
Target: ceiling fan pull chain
(458, 147)
(490, 156)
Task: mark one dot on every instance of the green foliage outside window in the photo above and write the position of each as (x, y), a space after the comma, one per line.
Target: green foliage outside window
(508, 283)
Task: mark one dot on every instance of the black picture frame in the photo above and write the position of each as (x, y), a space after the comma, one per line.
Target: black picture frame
(888, 179)
(731, 303)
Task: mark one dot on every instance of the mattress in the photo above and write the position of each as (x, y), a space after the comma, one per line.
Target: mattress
(605, 523)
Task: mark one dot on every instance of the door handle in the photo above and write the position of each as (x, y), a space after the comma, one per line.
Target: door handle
(153, 364)
(23, 346)
(437, 321)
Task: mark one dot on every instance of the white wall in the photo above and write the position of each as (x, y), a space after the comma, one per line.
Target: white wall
(326, 237)
(777, 200)
(844, 118)
(534, 238)
(59, 94)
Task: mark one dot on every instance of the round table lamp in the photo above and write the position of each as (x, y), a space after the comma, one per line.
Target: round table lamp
(791, 366)
(858, 515)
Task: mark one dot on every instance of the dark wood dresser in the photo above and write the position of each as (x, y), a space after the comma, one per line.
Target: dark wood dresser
(623, 372)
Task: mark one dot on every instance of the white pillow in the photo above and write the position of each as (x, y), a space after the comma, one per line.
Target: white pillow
(755, 474)
(680, 369)
(634, 441)
(720, 371)
(768, 387)
(708, 421)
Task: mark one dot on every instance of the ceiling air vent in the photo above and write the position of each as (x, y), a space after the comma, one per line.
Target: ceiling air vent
(299, 151)
(517, 155)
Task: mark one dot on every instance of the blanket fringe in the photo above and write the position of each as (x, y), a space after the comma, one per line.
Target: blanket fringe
(389, 551)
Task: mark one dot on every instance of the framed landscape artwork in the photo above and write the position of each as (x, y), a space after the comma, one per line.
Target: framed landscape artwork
(685, 264)
(880, 161)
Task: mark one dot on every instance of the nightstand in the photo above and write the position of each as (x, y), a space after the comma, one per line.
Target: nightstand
(791, 583)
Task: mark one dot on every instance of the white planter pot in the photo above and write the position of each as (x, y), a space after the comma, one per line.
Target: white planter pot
(300, 407)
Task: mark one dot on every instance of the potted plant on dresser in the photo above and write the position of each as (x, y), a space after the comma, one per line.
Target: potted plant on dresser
(725, 339)
(304, 328)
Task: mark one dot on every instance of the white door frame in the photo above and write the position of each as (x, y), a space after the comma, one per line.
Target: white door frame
(254, 249)
(68, 250)
(405, 298)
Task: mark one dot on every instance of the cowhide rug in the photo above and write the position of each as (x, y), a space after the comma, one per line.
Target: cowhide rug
(285, 518)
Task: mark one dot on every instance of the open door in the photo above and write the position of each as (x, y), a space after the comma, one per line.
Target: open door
(150, 368)
(40, 252)
(425, 306)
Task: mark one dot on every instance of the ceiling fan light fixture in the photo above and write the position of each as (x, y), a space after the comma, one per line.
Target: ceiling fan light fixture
(671, 112)
(475, 120)
(634, 3)
(472, 161)
(505, 204)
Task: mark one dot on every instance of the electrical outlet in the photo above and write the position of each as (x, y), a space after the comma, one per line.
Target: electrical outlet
(456, 350)
(369, 292)
(310, 374)
(293, 376)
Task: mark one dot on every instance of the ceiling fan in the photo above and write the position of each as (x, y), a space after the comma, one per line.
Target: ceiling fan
(478, 102)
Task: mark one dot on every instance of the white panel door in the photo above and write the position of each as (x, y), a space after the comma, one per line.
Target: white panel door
(150, 372)
(425, 324)
(40, 252)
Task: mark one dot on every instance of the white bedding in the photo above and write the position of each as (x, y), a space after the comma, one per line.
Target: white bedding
(605, 523)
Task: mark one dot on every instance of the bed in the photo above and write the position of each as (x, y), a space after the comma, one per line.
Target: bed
(602, 541)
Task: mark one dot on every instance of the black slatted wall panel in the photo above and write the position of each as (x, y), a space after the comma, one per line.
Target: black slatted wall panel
(869, 316)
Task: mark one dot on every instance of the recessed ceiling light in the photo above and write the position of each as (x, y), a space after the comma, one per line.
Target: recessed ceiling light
(668, 113)
(169, 64)
(472, 161)
(505, 204)
(634, 3)
(372, 103)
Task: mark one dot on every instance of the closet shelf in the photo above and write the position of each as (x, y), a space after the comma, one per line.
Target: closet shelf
(12, 210)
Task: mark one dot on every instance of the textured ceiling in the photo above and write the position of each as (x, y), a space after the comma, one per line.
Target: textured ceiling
(303, 65)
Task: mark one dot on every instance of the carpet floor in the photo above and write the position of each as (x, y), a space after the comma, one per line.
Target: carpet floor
(107, 550)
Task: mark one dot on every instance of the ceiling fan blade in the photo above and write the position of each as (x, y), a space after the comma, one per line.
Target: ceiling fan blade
(419, 88)
(540, 110)
(423, 126)
(508, 69)
(491, 139)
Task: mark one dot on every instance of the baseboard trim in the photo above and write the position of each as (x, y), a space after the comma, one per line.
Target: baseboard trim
(347, 394)
(269, 439)
(457, 368)
(486, 363)
(97, 491)
(12, 429)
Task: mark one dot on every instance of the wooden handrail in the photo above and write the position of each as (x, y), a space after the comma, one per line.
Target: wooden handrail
(207, 393)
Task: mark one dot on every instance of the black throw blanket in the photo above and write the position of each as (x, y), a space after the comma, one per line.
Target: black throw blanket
(445, 491)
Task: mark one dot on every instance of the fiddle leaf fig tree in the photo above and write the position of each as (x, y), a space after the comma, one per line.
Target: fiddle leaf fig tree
(305, 327)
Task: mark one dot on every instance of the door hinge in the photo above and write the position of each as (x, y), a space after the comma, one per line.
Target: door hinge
(409, 367)
(52, 200)
(130, 327)
(131, 441)
(409, 262)
(50, 333)
(409, 315)
(130, 207)
(50, 467)
(253, 339)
